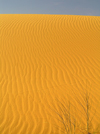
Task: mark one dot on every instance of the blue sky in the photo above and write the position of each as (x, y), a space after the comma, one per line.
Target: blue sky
(68, 7)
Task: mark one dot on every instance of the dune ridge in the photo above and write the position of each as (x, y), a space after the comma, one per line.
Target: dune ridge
(45, 58)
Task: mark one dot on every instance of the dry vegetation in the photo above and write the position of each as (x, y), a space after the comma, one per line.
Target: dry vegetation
(68, 119)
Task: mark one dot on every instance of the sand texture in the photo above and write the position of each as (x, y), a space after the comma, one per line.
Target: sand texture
(49, 74)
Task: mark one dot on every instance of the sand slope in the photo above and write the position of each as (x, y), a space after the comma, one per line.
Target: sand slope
(46, 60)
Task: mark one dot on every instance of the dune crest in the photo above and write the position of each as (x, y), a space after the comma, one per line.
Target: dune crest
(47, 61)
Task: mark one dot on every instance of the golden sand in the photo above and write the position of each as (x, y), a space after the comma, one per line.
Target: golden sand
(49, 68)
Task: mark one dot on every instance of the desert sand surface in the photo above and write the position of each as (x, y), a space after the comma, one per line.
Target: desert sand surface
(49, 74)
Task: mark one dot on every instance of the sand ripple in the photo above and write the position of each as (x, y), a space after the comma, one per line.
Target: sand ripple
(45, 58)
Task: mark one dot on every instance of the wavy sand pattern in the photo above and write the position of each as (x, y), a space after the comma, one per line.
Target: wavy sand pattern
(46, 60)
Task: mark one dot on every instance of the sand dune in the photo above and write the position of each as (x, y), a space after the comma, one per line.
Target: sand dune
(47, 61)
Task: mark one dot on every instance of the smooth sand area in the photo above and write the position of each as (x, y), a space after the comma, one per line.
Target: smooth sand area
(49, 74)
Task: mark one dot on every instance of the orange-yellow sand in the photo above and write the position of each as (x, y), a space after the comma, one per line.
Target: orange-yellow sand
(49, 74)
